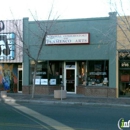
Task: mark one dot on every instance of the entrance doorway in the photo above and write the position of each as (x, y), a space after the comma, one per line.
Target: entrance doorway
(20, 80)
(70, 80)
(70, 77)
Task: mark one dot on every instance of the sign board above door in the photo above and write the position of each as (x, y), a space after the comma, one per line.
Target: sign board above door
(83, 38)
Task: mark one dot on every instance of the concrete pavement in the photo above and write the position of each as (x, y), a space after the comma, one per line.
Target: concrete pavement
(75, 99)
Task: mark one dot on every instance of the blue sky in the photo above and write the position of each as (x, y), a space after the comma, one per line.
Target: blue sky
(64, 9)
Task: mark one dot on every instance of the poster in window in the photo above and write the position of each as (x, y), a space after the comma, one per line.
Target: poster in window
(52, 81)
(44, 81)
(37, 81)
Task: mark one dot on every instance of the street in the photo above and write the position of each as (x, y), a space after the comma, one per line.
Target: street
(35, 116)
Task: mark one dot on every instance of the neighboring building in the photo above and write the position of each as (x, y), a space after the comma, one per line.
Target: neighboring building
(123, 55)
(78, 54)
(11, 55)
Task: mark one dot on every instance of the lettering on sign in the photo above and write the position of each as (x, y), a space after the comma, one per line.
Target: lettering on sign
(68, 39)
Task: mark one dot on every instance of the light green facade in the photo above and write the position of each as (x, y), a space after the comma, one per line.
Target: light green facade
(102, 42)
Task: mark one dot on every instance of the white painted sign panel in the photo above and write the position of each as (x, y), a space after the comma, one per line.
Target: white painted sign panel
(83, 38)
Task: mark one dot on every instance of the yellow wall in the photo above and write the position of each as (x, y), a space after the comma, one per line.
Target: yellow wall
(123, 32)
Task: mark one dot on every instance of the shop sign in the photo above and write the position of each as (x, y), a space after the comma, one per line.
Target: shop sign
(10, 45)
(125, 64)
(7, 46)
(83, 38)
(7, 43)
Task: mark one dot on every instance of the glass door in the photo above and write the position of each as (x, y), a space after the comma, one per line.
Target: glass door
(70, 80)
(70, 77)
(20, 80)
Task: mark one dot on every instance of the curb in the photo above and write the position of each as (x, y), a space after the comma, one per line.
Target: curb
(63, 102)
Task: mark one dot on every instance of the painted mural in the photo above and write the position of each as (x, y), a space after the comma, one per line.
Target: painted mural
(8, 77)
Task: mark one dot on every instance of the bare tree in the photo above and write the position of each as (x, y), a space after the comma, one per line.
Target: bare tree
(26, 49)
(123, 23)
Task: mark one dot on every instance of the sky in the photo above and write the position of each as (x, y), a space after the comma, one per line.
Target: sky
(62, 9)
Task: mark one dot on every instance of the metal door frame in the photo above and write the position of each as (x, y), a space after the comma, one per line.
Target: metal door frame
(19, 69)
(65, 68)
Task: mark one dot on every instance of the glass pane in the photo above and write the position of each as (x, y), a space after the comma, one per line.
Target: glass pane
(55, 71)
(97, 73)
(20, 74)
(41, 70)
(47, 71)
(20, 85)
(70, 64)
(124, 83)
(70, 80)
(82, 72)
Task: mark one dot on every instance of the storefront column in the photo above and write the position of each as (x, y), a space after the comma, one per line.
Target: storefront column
(112, 72)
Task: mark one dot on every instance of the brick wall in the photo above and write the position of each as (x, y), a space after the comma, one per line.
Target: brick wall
(97, 91)
(87, 91)
(40, 89)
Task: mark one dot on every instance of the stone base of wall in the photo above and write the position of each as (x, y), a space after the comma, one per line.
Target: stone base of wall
(40, 89)
(97, 91)
(87, 91)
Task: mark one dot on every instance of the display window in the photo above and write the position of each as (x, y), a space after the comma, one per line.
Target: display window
(97, 73)
(124, 78)
(89, 73)
(48, 72)
(93, 73)
(124, 73)
(82, 72)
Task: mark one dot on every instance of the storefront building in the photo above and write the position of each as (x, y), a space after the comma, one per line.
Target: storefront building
(123, 54)
(78, 55)
(11, 55)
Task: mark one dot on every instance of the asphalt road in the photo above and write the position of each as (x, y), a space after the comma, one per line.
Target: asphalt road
(33, 116)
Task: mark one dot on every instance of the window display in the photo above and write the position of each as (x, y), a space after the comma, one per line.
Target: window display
(124, 78)
(124, 73)
(47, 71)
(82, 72)
(97, 73)
(41, 71)
(89, 73)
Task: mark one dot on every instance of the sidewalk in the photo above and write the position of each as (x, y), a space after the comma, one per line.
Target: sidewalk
(71, 99)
